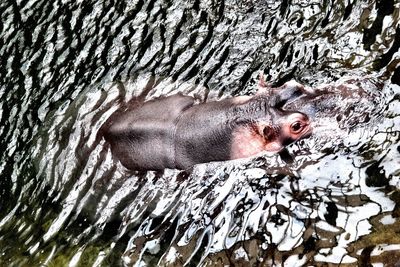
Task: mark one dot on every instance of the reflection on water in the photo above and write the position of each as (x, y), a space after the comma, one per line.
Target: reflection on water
(333, 198)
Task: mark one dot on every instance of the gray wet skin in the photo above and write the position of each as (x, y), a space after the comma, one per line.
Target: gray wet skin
(174, 132)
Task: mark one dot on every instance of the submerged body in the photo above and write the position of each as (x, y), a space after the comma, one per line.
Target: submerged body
(347, 103)
(174, 132)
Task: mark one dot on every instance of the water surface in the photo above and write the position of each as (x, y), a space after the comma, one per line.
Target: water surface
(68, 65)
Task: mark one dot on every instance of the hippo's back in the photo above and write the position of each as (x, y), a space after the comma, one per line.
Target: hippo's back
(142, 138)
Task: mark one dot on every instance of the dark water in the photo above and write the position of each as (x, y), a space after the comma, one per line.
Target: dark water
(66, 66)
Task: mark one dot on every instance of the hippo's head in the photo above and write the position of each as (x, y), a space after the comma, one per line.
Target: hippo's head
(270, 134)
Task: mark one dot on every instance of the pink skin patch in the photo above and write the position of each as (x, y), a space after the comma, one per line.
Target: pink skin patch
(253, 139)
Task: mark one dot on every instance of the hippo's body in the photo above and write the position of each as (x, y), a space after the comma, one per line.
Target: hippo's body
(174, 132)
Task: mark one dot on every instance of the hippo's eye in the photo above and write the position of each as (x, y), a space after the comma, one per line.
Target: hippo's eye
(296, 127)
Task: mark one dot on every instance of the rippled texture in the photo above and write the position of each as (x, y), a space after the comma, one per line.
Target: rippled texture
(68, 65)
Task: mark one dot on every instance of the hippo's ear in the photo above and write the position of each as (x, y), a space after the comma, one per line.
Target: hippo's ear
(261, 80)
(263, 86)
(268, 133)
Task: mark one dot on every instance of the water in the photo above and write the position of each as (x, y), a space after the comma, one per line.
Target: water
(66, 66)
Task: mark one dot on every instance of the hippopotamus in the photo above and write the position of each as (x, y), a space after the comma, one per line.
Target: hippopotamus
(177, 132)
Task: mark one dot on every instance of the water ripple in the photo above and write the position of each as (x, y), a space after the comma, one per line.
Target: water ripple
(69, 65)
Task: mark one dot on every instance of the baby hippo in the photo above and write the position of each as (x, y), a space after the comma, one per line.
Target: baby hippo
(174, 132)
